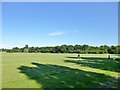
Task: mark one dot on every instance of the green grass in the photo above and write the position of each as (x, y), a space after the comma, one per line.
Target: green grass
(25, 70)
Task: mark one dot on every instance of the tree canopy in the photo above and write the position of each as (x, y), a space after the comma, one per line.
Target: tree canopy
(83, 49)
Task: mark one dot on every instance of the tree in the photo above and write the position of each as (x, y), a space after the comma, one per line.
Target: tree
(70, 49)
(15, 49)
(26, 46)
(26, 49)
(83, 49)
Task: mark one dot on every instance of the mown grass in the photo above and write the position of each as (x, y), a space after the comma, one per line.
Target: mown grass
(25, 70)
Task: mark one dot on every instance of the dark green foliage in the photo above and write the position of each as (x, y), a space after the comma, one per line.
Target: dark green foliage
(16, 49)
(9, 51)
(83, 49)
(26, 49)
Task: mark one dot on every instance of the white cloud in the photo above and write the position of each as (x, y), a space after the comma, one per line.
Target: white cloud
(55, 33)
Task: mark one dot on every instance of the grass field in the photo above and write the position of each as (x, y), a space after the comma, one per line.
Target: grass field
(25, 70)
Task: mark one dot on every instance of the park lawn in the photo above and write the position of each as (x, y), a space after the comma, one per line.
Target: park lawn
(37, 70)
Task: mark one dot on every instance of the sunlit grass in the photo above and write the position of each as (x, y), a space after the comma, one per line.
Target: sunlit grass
(25, 70)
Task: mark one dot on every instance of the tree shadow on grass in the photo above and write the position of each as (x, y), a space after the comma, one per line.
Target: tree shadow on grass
(94, 62)
(90, 58)
(54, 76)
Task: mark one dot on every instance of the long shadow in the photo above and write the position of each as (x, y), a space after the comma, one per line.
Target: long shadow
(94, 62)
(90, 58)
(54, 76)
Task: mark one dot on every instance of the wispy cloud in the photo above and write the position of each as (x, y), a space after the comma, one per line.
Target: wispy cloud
(55, 33)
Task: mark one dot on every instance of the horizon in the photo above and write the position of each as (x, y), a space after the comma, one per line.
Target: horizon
(57, 45)
(51, 24)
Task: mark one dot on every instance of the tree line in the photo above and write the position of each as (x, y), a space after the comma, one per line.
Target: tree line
(83, 49)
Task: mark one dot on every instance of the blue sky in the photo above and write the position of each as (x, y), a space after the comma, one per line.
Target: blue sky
(51, 24)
